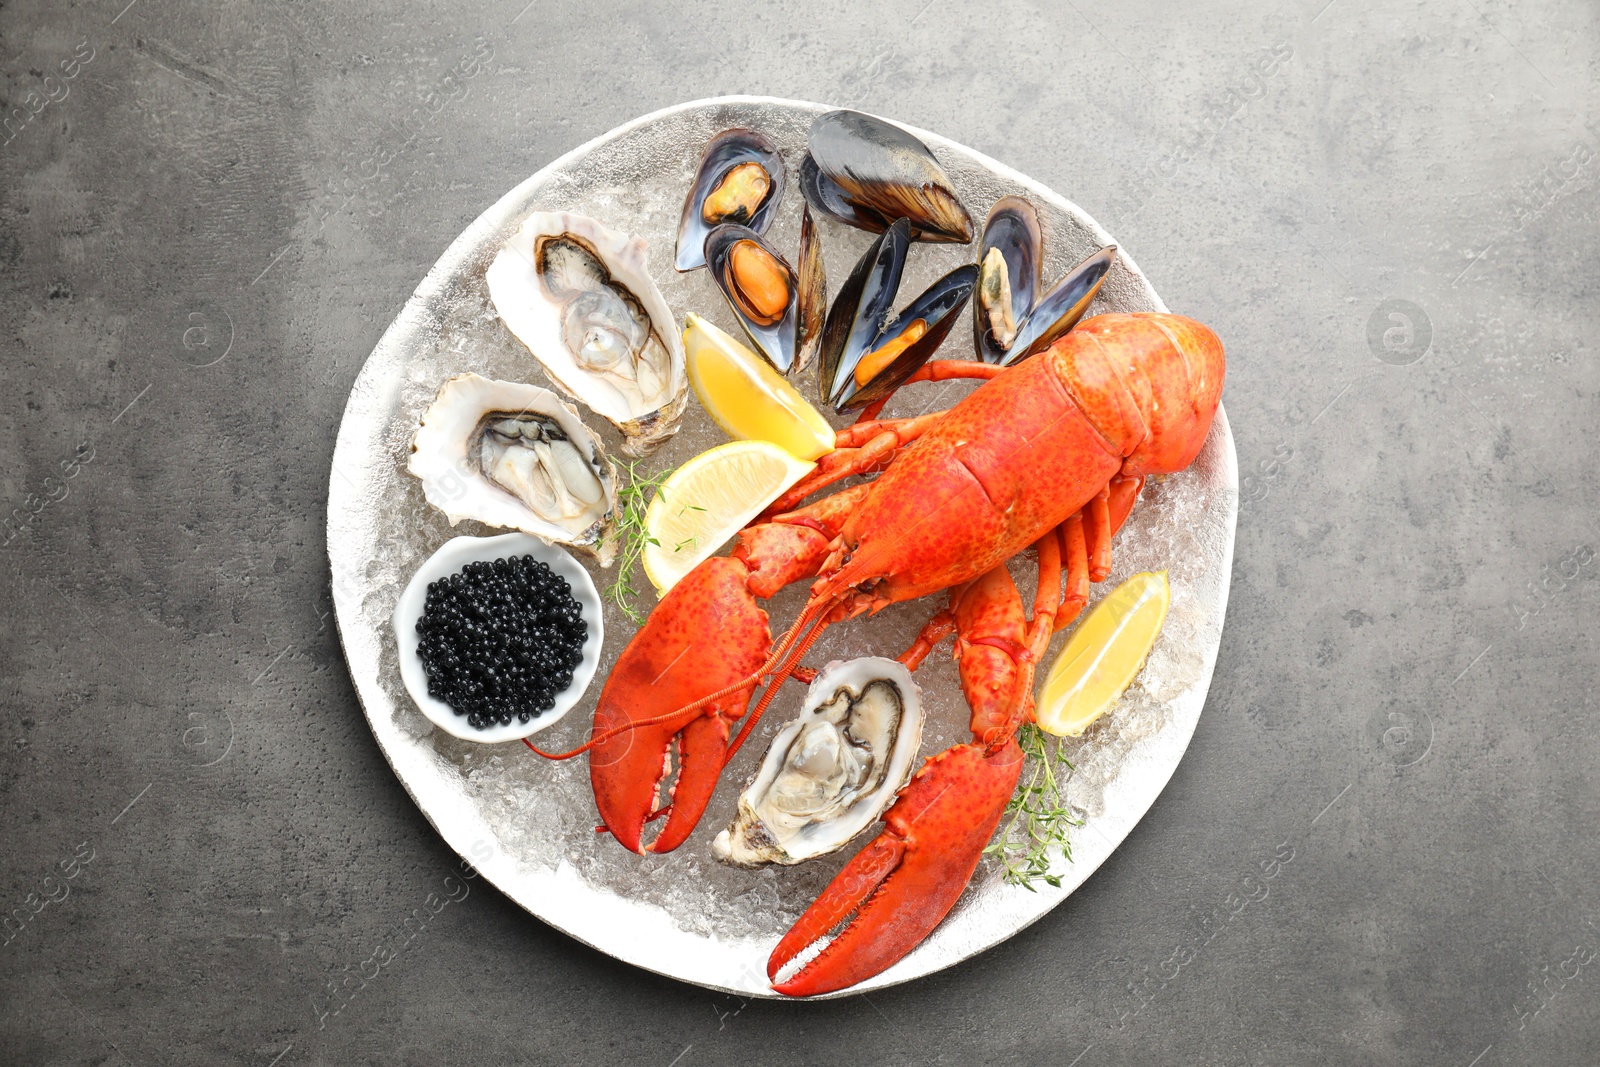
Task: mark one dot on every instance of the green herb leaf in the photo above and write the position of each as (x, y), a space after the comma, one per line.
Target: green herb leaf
(1037, 819)
(632, 501)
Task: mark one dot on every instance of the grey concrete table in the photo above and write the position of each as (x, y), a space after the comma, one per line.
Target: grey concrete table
(1388, 211)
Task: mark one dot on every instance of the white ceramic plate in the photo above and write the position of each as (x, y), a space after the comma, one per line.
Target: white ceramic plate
(455, 554)
(527, 824)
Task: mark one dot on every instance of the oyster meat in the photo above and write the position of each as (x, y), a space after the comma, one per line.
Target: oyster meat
(581, 298)
(514, 455)
(831, 772)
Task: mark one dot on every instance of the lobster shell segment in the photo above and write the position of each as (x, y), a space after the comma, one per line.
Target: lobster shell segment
(1156, 390)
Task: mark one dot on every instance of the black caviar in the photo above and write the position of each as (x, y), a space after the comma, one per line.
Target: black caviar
(500, 640)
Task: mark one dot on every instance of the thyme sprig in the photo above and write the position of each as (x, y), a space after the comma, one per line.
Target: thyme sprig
(632, 501)
(1037, 818)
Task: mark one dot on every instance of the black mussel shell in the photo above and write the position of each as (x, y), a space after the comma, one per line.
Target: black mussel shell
(761, 288)
(1060, 309)
(1008, 276)
(932, 315)
(742, 177)
(827, 198)
(812, 302)
(879, 169)
(862, 307)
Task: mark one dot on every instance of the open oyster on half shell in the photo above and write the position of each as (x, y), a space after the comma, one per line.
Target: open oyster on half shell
(516, 456)
(831, 772)
(580, 297)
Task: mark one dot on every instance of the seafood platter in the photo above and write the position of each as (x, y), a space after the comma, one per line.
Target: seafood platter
(783, 548)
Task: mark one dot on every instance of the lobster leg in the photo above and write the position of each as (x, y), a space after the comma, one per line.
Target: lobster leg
(874, 452)
(1075, 558)
(857, 434)
(1119, 496)
(898, 888)
(938, 370)
(941, 626)
(1097, 534)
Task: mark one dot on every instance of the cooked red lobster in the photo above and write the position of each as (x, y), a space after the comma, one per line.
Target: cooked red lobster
(1050, 453)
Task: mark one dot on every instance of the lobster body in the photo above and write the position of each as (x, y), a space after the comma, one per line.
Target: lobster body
(1050, 452)
(1121, 394)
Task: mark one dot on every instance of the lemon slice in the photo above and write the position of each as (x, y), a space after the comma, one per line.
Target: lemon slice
(1103, 654)
(708, 500)
(746, 397)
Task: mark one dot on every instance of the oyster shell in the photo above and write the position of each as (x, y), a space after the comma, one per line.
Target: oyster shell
(831, 772)
(513, 455)
(581, 298)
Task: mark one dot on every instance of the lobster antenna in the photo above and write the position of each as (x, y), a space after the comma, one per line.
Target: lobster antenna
(750, 682)
(781, 675)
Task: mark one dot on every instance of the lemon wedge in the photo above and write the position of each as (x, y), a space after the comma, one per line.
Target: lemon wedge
(708, 500)
(746, 397)
(1103, 655)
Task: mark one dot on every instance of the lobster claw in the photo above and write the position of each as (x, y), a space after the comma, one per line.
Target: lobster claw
(707, 634)
(900, 886)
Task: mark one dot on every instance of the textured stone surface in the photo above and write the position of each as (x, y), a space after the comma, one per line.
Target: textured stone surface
(219, 212)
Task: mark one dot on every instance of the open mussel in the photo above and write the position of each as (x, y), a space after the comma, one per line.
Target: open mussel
(863, 305)
(761, 287)
(1008, 276)
(866, 351)
(1060, 309)
(909, 341)
(740, 181)
(1010, 321)
(867, 172)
